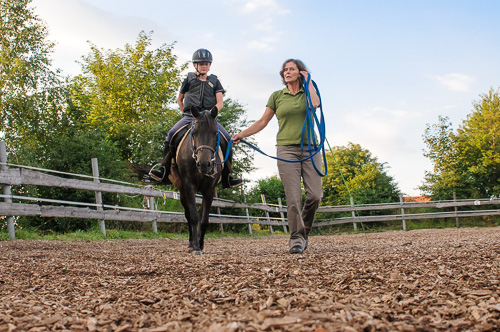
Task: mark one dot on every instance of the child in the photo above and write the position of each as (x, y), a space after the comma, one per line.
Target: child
(205, 91)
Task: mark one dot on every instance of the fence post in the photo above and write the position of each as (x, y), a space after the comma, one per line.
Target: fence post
(6, 190)
(263, 197)
(98, 196)
(457, 223)
(218, 212)
(282, 215)
(248, 218)
(402, 211)
(353, 213)
(152, 208)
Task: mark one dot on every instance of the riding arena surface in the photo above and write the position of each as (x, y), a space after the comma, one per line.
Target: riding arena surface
(424, 280)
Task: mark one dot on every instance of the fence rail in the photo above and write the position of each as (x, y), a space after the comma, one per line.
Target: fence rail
(45, 208)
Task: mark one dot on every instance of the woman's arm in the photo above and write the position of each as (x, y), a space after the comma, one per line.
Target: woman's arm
(256, 126)
(312, 90)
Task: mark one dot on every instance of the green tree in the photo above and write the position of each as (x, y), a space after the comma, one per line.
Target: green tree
(365, 177)
(31, 96)
(271, 187)
(466, 161)
(72, 153)
(232, 117)
(128, 93)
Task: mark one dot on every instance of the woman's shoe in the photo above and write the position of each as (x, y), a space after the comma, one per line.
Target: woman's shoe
(297, 250)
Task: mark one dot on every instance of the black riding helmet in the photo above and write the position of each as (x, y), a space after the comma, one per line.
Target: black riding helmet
(202, 55)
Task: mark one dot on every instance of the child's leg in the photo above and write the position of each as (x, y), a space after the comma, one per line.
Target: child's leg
(187, 118)
(224, 132)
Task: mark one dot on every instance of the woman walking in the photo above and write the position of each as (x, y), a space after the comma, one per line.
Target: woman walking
(289, 106)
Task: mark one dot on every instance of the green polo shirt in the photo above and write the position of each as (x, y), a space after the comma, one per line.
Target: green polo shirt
(291, 113)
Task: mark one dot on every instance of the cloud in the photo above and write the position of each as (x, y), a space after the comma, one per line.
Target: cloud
(259, 45)
(263, 14)
(268, 5)
(456, 81)
(83, 23)
(265, 25)
(264, 44)
(382, 125)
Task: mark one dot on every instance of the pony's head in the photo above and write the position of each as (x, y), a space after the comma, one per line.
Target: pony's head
(204, 139)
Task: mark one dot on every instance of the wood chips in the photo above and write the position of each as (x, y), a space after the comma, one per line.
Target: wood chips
(427, 280)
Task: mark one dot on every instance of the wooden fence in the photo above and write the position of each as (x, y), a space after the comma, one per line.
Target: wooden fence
(25, 175)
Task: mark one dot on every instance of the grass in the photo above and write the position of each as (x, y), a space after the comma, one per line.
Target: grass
(118, 234)
(111, 234)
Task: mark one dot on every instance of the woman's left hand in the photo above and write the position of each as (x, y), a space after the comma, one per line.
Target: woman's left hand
(305, 73)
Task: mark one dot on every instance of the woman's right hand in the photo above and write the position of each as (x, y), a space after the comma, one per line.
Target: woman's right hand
(237, 137)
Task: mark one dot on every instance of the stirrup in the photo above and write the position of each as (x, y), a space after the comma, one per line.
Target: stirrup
(155, 177)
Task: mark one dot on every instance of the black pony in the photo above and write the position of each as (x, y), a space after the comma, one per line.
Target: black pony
(195, 170)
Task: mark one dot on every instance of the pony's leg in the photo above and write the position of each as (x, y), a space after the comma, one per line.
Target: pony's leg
(188, 201)
(208, 198)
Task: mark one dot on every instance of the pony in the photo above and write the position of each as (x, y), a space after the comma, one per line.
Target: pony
(196, 168)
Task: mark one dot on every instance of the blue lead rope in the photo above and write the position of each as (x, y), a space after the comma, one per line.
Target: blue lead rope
(313, 146)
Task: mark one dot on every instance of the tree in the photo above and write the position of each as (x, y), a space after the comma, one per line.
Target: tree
(366, 179)
(232, 117)
(128, 93)
(31, 96)
(271, 187)
(72, 153)
(466, 161)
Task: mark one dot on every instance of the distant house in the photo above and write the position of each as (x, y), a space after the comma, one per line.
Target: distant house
(408, 199)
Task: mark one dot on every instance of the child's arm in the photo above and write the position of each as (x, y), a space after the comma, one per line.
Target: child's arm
(180, 101)
(220, 102)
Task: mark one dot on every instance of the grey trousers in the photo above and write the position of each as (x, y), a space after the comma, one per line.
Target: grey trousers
(300, 220)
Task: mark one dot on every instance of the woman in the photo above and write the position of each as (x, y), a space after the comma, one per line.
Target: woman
(289, 106)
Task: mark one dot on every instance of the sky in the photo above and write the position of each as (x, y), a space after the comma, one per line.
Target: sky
(385, 69)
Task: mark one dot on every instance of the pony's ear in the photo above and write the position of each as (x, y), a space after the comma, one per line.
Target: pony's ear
(195, 110)
(214, 111)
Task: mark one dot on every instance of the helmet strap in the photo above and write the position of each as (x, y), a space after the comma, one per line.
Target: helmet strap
(197, 72)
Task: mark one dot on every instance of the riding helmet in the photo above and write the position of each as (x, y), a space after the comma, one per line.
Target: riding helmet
(202, 55)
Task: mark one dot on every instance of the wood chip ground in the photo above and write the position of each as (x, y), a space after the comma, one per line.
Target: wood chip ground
(425, 280)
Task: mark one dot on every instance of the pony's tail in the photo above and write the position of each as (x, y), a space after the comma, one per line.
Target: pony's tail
(141, 172)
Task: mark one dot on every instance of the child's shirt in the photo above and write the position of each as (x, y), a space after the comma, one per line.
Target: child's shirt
(200, 93)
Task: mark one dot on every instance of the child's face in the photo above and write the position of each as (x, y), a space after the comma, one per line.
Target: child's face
(202, 67)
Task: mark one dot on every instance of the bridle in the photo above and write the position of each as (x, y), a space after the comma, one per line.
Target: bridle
(205, 147)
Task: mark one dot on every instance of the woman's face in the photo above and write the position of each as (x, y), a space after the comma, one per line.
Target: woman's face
(291, 72)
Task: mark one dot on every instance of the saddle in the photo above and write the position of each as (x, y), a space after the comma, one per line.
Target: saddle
(183, 133)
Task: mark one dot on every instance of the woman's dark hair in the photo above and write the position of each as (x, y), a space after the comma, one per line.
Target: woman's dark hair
(299, 64)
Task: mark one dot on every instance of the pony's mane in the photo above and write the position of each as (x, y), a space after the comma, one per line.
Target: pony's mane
(205, 118)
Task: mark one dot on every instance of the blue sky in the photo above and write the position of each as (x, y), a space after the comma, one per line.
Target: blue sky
(384, 68)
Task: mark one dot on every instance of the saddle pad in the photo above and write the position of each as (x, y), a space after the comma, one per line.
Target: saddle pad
(186, 134)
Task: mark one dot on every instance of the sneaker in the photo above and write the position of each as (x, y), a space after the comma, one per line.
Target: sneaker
(234, 183)
(296, 250)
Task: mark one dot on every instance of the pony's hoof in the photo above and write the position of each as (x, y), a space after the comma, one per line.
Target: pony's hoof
(196, 253)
